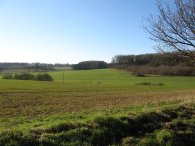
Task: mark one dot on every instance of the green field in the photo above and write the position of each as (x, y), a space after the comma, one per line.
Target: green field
(47, 112)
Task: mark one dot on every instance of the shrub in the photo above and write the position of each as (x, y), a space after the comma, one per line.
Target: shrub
(24, 76)
(27, 76)
(8, 76)
(44, 77)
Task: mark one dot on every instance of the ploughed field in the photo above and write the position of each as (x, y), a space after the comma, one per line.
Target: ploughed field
(68, 112)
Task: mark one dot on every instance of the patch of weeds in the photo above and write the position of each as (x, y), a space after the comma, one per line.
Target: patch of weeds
(181, 112)
(153, 117)
(102, 136)
(173, 114)
(133, 126)
(51, 139)
(113, 127)
(37, 131)
(152, 121)
(112, 130)
(165, 137)
(182, 125)
(78, 136)
(148, 141)
(81, 134)
(109, 122)
(63, 127)
(17, 138)
(184, 112)
(186, 138)
(127, 141)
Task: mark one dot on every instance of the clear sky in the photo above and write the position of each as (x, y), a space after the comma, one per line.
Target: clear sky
(69, 31)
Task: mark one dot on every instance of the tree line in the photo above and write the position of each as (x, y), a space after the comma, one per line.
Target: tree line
(163, 64)
(86, 65)
(31, 67)
(156, 59)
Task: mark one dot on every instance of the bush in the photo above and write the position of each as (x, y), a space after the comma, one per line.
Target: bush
(24, 76)
(8, 76)
(27, 76)
(44, 77)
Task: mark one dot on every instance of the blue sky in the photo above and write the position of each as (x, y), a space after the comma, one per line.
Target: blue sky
(70, 31)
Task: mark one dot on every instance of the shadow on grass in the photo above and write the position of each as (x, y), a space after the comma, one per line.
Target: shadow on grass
(168, 127)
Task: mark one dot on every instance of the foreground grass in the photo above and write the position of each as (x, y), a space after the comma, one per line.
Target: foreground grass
(153, 124)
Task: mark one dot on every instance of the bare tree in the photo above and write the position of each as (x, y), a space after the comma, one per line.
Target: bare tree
(174, 28)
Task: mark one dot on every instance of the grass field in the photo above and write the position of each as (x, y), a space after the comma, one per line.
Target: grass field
(34, 107)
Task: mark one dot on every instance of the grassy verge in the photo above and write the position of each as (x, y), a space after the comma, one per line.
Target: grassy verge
(152, 124)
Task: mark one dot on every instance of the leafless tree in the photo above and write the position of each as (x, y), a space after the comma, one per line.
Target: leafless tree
(174, 28)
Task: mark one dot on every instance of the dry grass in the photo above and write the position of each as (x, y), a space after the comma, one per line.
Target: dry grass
(35, 104)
